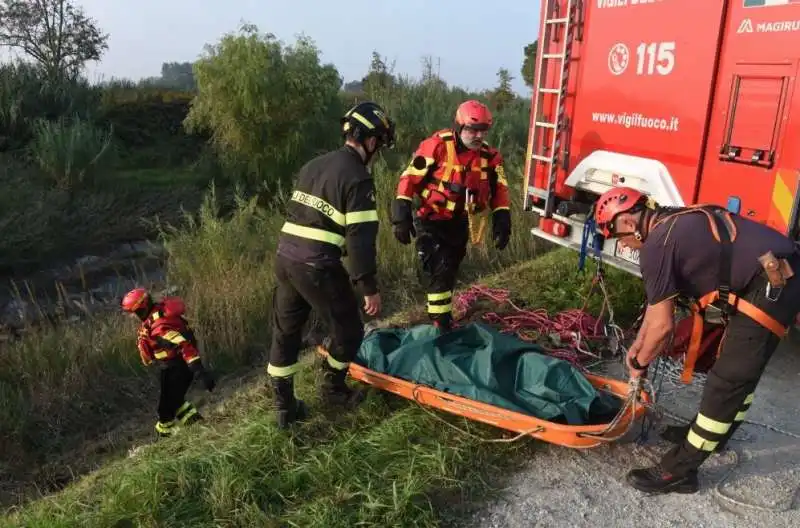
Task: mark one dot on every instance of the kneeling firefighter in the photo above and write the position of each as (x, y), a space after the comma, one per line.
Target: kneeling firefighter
(712, 257)
(454, 172)
(332, 208)
(166, 337)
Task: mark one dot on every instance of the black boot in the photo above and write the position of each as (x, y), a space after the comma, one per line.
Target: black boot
(334, 389)
(288, 408)
(675, 434)
(655, 480)
(444, 323)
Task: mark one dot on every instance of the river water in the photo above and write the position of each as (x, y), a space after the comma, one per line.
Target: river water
(88, 285)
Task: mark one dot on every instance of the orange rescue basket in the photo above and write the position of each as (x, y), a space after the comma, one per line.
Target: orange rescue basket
(575, 436)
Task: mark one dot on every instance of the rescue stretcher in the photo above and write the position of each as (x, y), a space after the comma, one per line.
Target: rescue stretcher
(633, 400)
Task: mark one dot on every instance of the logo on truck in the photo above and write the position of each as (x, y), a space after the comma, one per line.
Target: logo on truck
(618, 58)
(782, 26)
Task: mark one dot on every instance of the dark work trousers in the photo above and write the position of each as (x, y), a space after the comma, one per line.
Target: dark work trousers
(730, 384)
(299, 288)
(176, 378)
(441, 247)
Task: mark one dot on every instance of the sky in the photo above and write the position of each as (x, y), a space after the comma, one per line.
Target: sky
(468, 40)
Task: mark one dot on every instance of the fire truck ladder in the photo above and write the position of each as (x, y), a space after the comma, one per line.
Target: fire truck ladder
(549, 156)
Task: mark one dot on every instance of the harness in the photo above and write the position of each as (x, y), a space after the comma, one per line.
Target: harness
(445, 183)
(724, 231)
(445, 188)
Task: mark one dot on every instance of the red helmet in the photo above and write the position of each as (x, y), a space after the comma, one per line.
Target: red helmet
(474, 114)
(135, 300)
(613, 202)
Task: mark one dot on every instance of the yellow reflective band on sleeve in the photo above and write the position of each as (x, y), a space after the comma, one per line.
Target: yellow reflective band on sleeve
(193, 359)
(312, 233)
(320, 205)
(712, 426)
(699, 442)
(401, 197)
(502, 208)
(160, 354)
(283, 372)
(359, 217)
(174, 337)
(501, 175)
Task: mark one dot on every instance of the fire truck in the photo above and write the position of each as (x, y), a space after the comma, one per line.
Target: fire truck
(688, 101)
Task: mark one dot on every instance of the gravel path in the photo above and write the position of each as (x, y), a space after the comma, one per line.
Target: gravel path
(576, 488)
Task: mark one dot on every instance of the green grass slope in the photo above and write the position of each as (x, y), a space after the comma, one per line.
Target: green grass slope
(389, 463)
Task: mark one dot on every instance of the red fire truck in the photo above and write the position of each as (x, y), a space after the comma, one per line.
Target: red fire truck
(689, 101)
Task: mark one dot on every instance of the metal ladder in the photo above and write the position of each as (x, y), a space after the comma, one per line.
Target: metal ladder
(551, 24)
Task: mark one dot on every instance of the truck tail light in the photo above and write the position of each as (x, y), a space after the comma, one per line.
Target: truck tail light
(554, 227)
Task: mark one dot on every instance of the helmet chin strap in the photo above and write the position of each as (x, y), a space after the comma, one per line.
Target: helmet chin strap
(641, 231)
(367, 154)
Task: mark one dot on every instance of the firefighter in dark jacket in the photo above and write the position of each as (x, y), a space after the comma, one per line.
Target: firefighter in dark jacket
(332, 208)
(166, 337)
(455, 173)
(711, 257)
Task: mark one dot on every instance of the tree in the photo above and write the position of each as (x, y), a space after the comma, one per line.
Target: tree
(54, 33)
(178, 76)
(503, 94)
(528, 69)
(267, 106)
(378, 78)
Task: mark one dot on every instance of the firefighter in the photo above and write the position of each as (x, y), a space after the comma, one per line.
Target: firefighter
(710, 256)
(166, 337)
(454, 172)
(332, 208)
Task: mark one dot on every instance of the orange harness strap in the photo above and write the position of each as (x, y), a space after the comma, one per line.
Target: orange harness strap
(745, 307)
(720, 219)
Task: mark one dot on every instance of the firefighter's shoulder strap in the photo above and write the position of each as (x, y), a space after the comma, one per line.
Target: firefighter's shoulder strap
(724, 230)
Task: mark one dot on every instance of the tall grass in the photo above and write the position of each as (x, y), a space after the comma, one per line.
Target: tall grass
(387, 464)
(71, 152)
(223, 269)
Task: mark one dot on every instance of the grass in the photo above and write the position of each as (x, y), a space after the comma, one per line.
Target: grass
(390, 463)
(74, 397)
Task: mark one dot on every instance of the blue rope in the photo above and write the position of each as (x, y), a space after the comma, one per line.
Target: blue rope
(589, 229)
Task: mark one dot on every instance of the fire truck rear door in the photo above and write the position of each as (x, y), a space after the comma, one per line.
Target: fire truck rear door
(746, 135)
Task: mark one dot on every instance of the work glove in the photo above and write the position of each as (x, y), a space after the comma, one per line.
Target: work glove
(501, 228)
(208, 380)
(203, 375)
(402, 221)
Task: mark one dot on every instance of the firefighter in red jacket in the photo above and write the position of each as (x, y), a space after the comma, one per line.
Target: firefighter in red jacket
(165, 336)
(454, 172)
(712, 257)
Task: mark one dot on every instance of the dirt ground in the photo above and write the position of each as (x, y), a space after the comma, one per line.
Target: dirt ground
(753, 483)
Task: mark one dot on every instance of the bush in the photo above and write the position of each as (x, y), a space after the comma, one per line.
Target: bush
(70, 153)
(268, 107)
(148, 126)
(26, 96)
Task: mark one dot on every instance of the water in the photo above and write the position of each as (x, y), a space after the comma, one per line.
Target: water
(88, 285)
